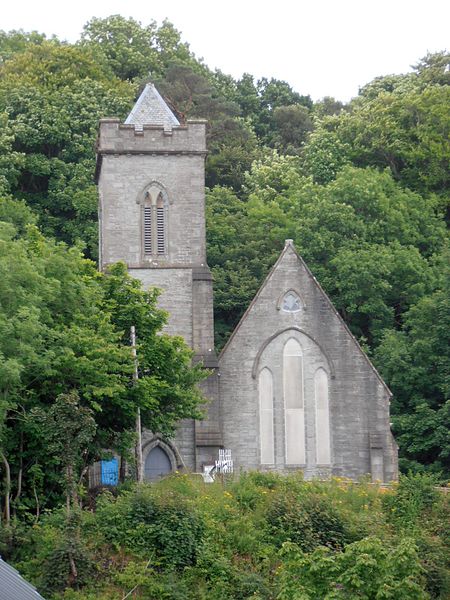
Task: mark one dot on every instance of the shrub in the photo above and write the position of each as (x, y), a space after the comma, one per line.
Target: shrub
(164, 526)
(309, 521)
(415, 493)
(366, 569)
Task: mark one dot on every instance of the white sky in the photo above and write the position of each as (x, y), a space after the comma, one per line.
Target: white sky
(321, 47)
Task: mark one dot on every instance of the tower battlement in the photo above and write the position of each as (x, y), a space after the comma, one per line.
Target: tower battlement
(119, 138)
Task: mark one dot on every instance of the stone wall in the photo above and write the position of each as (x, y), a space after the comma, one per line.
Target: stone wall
(358, 399)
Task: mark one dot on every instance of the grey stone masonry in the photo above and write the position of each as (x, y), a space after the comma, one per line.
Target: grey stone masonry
(360, 437)
(140, 164)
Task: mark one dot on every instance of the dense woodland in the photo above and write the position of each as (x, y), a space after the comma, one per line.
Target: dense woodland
(361, 188)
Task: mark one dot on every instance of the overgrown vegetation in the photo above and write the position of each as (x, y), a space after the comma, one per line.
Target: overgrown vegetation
(361, 188)
(258, 536)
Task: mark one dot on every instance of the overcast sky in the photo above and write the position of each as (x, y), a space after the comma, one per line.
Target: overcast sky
(321, 47)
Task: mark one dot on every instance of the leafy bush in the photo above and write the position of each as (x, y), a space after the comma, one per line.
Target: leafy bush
(164, 526)
(308, 521)
(366, 569)
(259, 536)
(415, 493)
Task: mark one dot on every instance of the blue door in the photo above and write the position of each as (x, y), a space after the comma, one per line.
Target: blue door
(157, 464)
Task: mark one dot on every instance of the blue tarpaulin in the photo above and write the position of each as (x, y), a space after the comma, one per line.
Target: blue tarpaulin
(110, 471)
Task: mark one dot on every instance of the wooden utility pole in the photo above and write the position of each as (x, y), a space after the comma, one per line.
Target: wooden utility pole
(138, 450)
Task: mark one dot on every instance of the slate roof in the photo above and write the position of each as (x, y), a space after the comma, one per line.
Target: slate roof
(150, 109)
(14, 587)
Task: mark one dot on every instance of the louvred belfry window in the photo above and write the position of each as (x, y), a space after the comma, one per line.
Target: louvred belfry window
(147, 229)
(160, 226)
(154, 223)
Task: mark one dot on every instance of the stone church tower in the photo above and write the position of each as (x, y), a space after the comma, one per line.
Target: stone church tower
(151, 180)
(292, 388)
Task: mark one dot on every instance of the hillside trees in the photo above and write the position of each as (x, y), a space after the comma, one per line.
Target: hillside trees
(52, 96)
(400, 122)
(416, 362)
(132, 50)
(369, 242)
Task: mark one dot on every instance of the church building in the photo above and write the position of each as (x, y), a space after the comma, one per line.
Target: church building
(292, 389)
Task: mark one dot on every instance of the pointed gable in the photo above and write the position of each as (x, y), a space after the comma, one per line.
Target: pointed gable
(290, 250)
(329, 408)
(151, 109)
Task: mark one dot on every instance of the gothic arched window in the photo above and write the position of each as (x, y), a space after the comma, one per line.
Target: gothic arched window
(265, 385)
(294, 412)
(154, 222)
(323, 454)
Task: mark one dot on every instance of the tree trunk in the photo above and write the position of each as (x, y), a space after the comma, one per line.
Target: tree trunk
(38, 506)
(7, 489)
(68, 488)
(122, 469)
(19, 475)
(138, 448)
(73, 568)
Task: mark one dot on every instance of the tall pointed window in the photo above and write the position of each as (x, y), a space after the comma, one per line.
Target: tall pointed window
(294, 403)
(266, 416)
(160, 225)
(147, 228)
(154, 222)
(323, 454)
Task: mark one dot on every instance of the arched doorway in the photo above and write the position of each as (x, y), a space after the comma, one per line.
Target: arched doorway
(157, 464)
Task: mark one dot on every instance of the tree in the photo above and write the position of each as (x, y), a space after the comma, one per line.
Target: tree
(259, 100)
(401, 122)
(132, 50)
(51, 97)
(292, 126)
(232, 146)
(71, 429)
(324, 156)
(65, 327)
(366, 569)
(166, 390)
(416, 364)
(368, 241)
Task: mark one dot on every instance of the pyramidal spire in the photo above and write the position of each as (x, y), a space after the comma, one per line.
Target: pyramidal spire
(150, 109)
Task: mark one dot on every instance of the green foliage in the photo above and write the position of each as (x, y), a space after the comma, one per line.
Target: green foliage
(132, 50)
(51, 98)
(57, 575)
(164, 527)
(415, 494)
(366, 569)
(401, 122)
(182, 539)
(232, 145)
(65, 327)
(416, 362)
(308, 521)
(367, 240)
(324, 156)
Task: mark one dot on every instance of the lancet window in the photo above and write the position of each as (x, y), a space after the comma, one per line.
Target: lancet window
(266, 416)
(323, 454)
(294, 402)
(154, 222)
